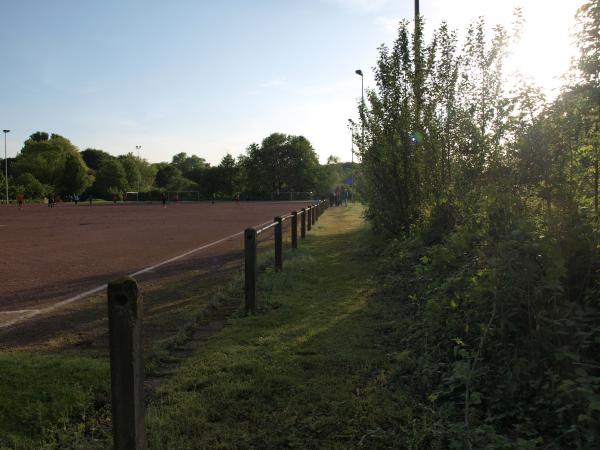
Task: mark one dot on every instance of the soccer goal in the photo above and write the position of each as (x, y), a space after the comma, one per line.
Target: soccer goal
(291, 196)
(131, 196)
(183, 196)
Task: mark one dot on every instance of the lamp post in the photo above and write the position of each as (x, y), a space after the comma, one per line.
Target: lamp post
(362, 96)
(137, 147)
(351, 127)
(6, 164)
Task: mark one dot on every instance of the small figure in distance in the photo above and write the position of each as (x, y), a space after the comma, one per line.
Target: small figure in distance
(115, 199)
(20, 199)
(76, 199)
(237, 198)
(176, 198)
(345, 196)
(91, 199)
(163, 199)
(212, 199)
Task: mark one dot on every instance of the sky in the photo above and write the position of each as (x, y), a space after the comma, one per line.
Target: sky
(210, 78)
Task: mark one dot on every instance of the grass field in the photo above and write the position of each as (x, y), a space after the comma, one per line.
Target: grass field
(311, 370)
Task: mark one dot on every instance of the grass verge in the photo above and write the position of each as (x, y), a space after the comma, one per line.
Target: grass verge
(307, 372)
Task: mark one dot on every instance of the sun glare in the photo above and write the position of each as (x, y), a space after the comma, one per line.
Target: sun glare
(545, 49)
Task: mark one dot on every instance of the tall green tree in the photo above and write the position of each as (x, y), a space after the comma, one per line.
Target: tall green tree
(111, 178)
(94, 157)
(53, 161)
(281, 163)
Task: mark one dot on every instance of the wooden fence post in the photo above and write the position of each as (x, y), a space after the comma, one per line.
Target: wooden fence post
(303, 223)
(125, 307)
(309, 218)
(294, 229)
(278, 244)
(250, 269)
(313, 215)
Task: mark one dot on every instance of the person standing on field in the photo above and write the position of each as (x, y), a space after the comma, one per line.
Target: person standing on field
(163, 199)
(20, 198)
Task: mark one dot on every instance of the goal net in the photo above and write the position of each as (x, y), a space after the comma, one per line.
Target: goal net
(131, 196)
(183, 196)
(291, 196)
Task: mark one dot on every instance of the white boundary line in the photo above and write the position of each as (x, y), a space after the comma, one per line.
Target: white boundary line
(29, 313)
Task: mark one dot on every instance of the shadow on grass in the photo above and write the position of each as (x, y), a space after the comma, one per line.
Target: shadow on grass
(310, 372)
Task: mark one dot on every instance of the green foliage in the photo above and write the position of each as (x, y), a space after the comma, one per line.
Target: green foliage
(186, 164)
(29, 186)
(65, 388)
(111, 179)
(492, 201)
(503, 338)
(94, 157)
(75, 178)
(53, 161)
(282, 163)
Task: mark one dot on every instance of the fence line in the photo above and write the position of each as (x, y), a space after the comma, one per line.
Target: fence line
(125, 326)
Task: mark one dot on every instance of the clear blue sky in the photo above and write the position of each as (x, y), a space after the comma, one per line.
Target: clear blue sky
(201, 77)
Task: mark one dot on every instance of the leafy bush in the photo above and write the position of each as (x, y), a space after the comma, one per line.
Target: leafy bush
(504, 337)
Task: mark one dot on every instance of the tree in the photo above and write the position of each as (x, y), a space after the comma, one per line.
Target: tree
(94, 157)
(110, 179)
(588, 17)
(281, 163)
(230, 172)
(28, 185)
(131, 165)
(167, 175)
(75, 178)
(186, 163)
(53, 161)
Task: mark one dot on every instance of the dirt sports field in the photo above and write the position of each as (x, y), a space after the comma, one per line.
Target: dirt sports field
(49, 256)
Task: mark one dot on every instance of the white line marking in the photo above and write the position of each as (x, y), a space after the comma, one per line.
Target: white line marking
(20, 311)
(28, 314)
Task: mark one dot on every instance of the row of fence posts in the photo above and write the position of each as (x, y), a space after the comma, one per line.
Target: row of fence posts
(308, 216)
(125, 307)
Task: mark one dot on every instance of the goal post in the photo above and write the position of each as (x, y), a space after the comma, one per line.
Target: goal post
(131, 196)
(292, 195)
(183, 196)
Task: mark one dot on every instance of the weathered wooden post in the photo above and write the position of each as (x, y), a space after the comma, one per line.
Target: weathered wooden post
(294, 229)
(125, 307)
(309, 218)
(317, 212)
(303, 223)
(278, 244)
(250, 269)
(313, 214)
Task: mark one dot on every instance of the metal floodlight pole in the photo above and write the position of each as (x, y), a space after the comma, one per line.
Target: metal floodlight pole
(362, 96)
(6, 164)
(140, 178)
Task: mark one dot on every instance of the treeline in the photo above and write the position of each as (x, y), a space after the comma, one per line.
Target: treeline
(490, 198)
(52, 165)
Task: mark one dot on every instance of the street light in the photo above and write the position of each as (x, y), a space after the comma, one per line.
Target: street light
(351, 125)
(362, 96)
(140, 175)
(6, 164)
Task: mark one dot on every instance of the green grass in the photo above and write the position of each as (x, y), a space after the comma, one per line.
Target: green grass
(41, 395)
(311, 370)
(307, 372)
